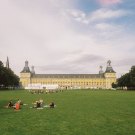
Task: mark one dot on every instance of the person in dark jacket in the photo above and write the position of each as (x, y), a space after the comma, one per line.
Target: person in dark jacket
(51, 105)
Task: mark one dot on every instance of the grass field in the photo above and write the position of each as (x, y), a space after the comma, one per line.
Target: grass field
(78, 112)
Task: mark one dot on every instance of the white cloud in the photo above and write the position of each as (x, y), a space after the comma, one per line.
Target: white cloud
(105, 26)
(55, 38)
(104, 13)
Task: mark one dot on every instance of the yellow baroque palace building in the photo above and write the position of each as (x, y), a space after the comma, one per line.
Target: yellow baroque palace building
(102, 80)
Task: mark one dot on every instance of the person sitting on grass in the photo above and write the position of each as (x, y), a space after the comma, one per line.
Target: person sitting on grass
(37, 104)
(19, 101)
(10, 104)
(41, 102)
(17, 106)
(51, 105)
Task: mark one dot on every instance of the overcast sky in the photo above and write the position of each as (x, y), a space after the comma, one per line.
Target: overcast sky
(68, 36)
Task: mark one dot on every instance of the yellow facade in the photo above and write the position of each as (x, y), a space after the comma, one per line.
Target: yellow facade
(102, 80)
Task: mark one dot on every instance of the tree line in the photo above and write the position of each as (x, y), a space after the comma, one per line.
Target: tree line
(127, 80)
(7, 77)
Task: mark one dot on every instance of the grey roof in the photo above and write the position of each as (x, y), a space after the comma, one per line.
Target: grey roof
(68, 76)
(25, 70)
(109, 69)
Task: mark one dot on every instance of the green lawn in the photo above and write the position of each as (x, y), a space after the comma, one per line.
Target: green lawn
(78, 112)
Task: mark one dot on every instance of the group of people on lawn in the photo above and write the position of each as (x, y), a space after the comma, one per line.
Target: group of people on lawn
(40, 104)
(16, 106)
(37, 104)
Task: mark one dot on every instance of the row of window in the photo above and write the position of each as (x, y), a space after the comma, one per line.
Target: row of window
(85, 83)
(37, 81)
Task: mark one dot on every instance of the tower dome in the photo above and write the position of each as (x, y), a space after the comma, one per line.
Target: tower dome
(26, 68)
(32, 70)
(109, 68)
(101, 70)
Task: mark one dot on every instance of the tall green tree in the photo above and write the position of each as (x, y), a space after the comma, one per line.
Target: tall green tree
(1, 73)
(7, 77)
(132, 77)
(127, 80)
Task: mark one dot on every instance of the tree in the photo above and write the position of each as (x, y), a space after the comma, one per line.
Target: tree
(132, 77)
(127, 80)
(1, 73)
(7, 77)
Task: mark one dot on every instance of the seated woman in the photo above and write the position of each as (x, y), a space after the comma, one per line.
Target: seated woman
(17, 106)
(51, 105)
